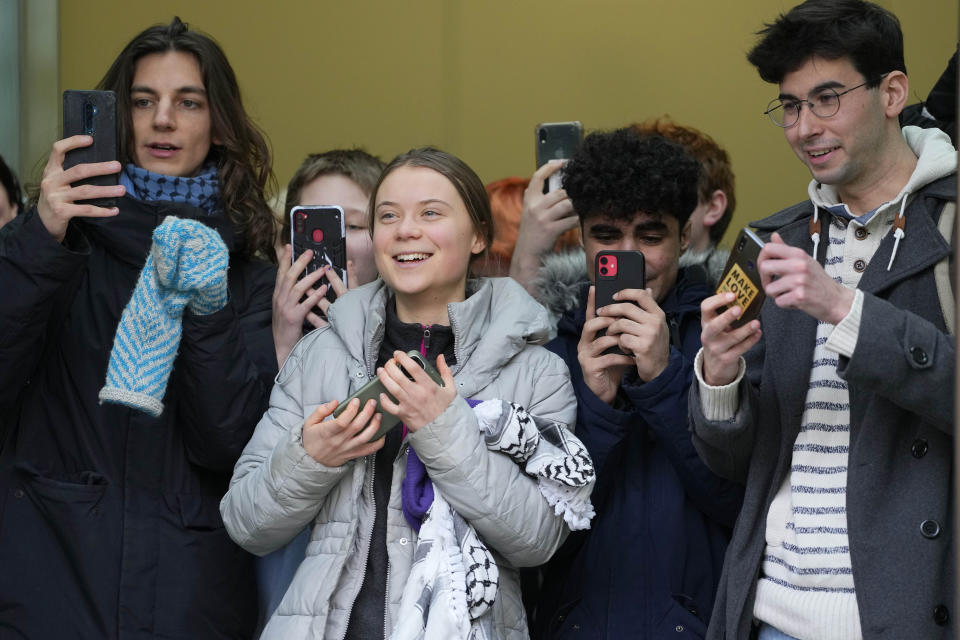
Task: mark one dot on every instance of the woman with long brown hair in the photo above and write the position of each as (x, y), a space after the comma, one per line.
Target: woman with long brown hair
(108, 520)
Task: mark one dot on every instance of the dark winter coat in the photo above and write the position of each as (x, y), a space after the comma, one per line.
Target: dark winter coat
(109, 518)
(649, 565)
(901, 376)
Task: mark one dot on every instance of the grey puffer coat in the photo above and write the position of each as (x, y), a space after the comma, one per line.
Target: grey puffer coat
(277, 488)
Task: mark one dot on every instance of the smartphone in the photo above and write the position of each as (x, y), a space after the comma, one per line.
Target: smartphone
(742, 277)
(557, 141)
(613, 272)
(92, 113)
(321, 229)
(374, 388)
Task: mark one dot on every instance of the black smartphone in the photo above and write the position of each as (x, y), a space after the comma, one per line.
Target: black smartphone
(557, 141)
(742, 277)
(92, 113)
(374, 388)
(321, 229)
(613, 272)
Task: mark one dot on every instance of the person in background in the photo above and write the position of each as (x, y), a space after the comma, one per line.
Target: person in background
(716, 199)
(108, 514)
(10, 196)
(836, 407)
(343, 177)
(649, 565)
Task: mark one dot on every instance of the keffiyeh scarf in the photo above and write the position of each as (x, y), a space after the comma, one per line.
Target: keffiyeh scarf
(454, 578)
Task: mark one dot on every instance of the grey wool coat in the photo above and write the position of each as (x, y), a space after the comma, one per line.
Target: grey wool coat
(901, 376)
(277, 488)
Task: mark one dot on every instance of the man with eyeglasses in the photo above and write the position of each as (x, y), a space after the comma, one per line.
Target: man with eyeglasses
(836, 407)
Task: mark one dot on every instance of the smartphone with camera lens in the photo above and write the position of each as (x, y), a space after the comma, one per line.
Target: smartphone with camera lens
(92, 113)
(374, 388)
(742, 277)
(557, 141)
(615, 271)
(322, 230)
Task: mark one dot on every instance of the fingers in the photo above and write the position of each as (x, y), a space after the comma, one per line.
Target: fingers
(591, 303)
(445, 373)
(540, 176)
(60, 148)
(352, 282)
(321, 412)
(334, 279)
(316, 320)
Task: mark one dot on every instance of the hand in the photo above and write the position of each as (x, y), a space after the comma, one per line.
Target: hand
(290, 308)
(794, 280)
(723, 345)
(642, 330)
(333, 278)
(56, 205)
(601, 373)
(335, 442)
(419, 401)
(545, 218)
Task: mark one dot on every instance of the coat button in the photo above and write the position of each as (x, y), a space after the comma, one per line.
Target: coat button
(930, 529)
(18, 493)
(403, 541)
(919, 355)
(861, 233)
(679, 628)
(859, 265)
(941, 614)
(919, 448)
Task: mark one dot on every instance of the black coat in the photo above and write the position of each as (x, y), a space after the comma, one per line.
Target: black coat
(109, 518)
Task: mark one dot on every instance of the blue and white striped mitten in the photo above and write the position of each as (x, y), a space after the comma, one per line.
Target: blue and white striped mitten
(186, 267)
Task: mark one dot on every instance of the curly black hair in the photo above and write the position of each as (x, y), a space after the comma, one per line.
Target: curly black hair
(617, 174)
(864, 32)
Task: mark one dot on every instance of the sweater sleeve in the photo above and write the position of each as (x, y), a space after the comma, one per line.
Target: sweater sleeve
(488, 488)
(35, 273)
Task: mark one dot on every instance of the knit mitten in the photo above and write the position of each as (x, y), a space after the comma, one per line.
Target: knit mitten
(191, 257)
(186, 266)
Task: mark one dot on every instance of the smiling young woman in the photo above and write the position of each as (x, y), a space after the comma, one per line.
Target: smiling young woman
(431, 220)
(116, 507)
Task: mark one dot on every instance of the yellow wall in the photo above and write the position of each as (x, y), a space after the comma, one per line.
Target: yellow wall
(475, 77)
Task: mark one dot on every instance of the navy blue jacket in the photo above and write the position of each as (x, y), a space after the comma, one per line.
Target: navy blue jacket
(649, 565)
(109, 518)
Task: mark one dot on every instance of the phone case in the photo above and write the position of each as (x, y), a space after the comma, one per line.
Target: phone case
(374, 388)
(321, 229)
(742, 277)
(615, 271)
(557, 140)
(92, 113)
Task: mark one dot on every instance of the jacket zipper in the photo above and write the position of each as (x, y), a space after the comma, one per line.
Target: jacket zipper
(425, 340)
(366, 554)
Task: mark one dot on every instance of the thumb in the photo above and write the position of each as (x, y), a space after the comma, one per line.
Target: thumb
(445, 373)
(775, 238)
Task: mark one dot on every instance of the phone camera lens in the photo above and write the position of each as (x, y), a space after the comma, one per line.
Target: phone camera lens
(543, 136)
(743, 243)
(603, 259)
(603, 271)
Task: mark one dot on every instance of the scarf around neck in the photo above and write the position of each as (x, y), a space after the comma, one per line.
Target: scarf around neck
(201, 191)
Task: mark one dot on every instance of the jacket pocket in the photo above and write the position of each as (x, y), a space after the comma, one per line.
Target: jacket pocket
(680, 621)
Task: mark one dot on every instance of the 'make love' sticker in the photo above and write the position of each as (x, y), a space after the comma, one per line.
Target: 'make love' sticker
(742, 286)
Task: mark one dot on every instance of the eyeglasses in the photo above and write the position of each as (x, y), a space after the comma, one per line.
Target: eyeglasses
(823, 104)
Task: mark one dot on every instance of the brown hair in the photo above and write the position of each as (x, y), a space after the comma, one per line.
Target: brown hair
(464, 179)
(716, 172)
(242, 157)
(355, 164)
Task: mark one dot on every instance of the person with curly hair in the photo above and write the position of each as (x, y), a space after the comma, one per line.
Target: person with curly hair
(649, 565)
(109, 516)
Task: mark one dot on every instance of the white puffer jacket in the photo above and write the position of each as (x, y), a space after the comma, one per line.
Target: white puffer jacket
(277, 488)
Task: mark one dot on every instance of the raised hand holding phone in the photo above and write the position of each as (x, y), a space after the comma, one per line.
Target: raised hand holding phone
(602, 367)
